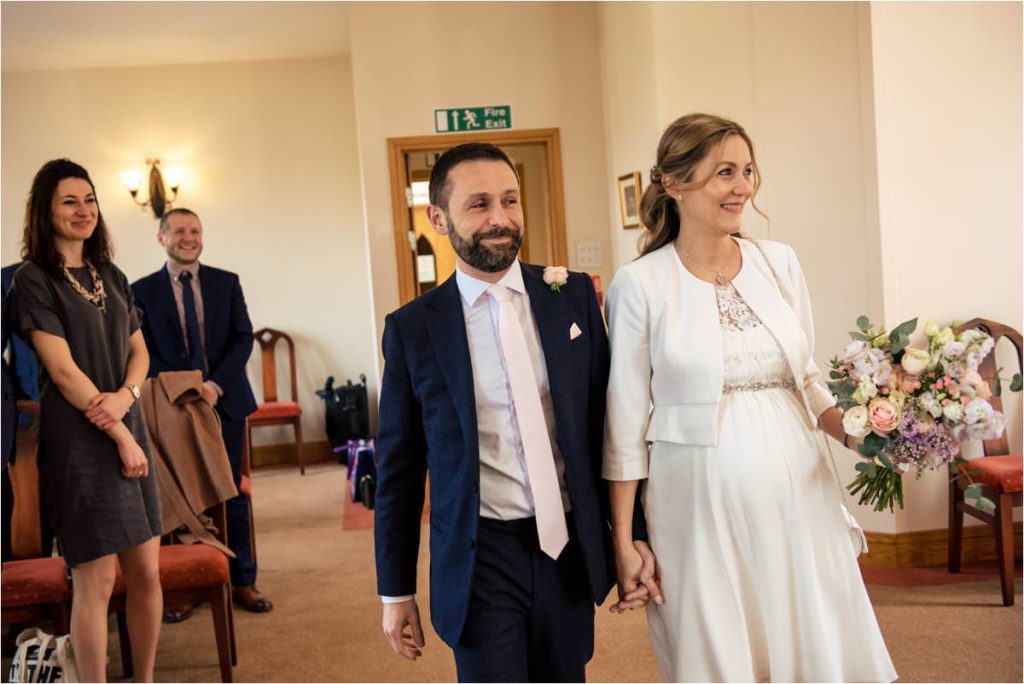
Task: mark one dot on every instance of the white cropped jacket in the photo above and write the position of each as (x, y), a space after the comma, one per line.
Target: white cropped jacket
(667, 367)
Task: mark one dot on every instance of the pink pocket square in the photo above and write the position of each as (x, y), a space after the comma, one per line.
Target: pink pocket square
(574, 331)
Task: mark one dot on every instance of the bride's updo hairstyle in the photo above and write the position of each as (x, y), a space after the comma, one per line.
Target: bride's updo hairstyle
(684, 145)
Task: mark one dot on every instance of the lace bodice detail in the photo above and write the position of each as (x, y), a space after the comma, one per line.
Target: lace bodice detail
(750, 351)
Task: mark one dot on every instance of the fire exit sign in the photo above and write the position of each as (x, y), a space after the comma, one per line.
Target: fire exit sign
(463, 119)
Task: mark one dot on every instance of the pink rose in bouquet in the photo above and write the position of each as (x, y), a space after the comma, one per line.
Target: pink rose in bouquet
(883, 416)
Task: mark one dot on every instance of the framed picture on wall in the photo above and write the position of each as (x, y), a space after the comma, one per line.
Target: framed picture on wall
(629, 199)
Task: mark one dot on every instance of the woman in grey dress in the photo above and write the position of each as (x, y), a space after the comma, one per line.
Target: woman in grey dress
(76, 309)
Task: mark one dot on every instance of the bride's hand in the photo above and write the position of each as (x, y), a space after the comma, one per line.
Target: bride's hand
(637, 577)
(649, 571)
(853, 444)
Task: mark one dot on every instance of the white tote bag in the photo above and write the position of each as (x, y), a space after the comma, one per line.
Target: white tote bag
(43, 657)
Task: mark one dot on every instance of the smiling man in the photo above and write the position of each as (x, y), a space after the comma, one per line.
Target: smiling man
(196, 319)
(494, 384)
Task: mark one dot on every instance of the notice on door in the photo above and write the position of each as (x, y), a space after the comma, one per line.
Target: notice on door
(464, 119)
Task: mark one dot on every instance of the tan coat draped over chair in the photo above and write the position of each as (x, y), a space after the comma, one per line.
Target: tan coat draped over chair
(191, 462)
(188, 452)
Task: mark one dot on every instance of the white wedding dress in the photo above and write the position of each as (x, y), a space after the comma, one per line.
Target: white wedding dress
(759, 577)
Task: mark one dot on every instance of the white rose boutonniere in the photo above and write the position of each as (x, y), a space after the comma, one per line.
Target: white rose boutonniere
(556, 277)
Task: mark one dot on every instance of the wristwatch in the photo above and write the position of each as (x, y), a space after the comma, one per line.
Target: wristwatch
(134, 389)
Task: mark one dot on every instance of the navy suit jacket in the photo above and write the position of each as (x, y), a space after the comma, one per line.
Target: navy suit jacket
(227, 333)
(26, 365)
(427, 422)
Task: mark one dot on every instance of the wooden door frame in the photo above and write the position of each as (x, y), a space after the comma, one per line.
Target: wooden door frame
(398, 148)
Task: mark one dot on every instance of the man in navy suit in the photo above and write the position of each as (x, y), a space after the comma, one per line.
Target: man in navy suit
(494, 383)
(195, 318)
(20, 383)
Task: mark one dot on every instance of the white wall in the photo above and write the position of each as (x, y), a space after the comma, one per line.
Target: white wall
(539, 58)
(632, 121)
(794, 75)
(948, 116)
(271, 167)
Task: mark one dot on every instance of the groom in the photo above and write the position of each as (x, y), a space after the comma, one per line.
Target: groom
(494, 383)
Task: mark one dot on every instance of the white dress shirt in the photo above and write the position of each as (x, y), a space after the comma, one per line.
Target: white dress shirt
(174, 271)
(504, 485)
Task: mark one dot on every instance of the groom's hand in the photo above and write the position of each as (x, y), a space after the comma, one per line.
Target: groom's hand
(649, 571)
(638, 582)
(402, 628)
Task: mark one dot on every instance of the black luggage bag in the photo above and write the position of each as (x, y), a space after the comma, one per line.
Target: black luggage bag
(348, 413)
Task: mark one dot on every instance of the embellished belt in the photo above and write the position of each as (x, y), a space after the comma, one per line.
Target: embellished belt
(758, 386)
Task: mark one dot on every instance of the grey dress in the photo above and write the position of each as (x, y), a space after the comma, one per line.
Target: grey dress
(95, 510)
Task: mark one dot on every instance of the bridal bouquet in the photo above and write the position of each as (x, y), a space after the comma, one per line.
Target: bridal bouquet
(912, 406)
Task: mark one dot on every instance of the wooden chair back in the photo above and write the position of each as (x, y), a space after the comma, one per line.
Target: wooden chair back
(26, 536)
(989, 369)
(268, 339)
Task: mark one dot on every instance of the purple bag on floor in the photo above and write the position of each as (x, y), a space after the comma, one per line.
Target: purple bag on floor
(362, 471)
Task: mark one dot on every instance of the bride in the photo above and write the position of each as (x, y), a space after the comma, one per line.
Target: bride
(714, 399)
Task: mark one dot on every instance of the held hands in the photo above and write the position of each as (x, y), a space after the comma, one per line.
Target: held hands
(402, 628)
(108, 408)
(638, 579)
(133, 460)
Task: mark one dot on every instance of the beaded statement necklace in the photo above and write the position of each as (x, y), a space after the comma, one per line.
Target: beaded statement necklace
(97, 296)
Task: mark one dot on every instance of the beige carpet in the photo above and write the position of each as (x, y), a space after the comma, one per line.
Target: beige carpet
(326, 622)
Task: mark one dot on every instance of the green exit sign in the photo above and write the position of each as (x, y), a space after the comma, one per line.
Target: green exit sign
(463, 119)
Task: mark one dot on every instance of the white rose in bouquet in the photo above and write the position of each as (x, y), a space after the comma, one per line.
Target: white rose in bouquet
(855, 421)
(953, 411)
(930, 404)
(915, 361)
(866, 390)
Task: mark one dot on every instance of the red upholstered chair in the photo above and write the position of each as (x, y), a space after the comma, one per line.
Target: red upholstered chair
(36, 589)
(272, 411)
(190, 574)
(999, 473)
(33, 588)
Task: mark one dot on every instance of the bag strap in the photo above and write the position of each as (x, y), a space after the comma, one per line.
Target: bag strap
(44, 643)
(65, 655)
(828, 447)
(775, 274)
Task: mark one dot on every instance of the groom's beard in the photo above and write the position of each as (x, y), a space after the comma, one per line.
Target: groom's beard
(487, 258)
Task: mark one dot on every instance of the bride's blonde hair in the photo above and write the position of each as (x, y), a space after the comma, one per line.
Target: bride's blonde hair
(684, 145)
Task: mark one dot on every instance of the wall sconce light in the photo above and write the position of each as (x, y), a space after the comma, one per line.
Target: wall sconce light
(163, 188)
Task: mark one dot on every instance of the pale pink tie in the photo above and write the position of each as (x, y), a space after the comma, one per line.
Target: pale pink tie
(533, 431)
